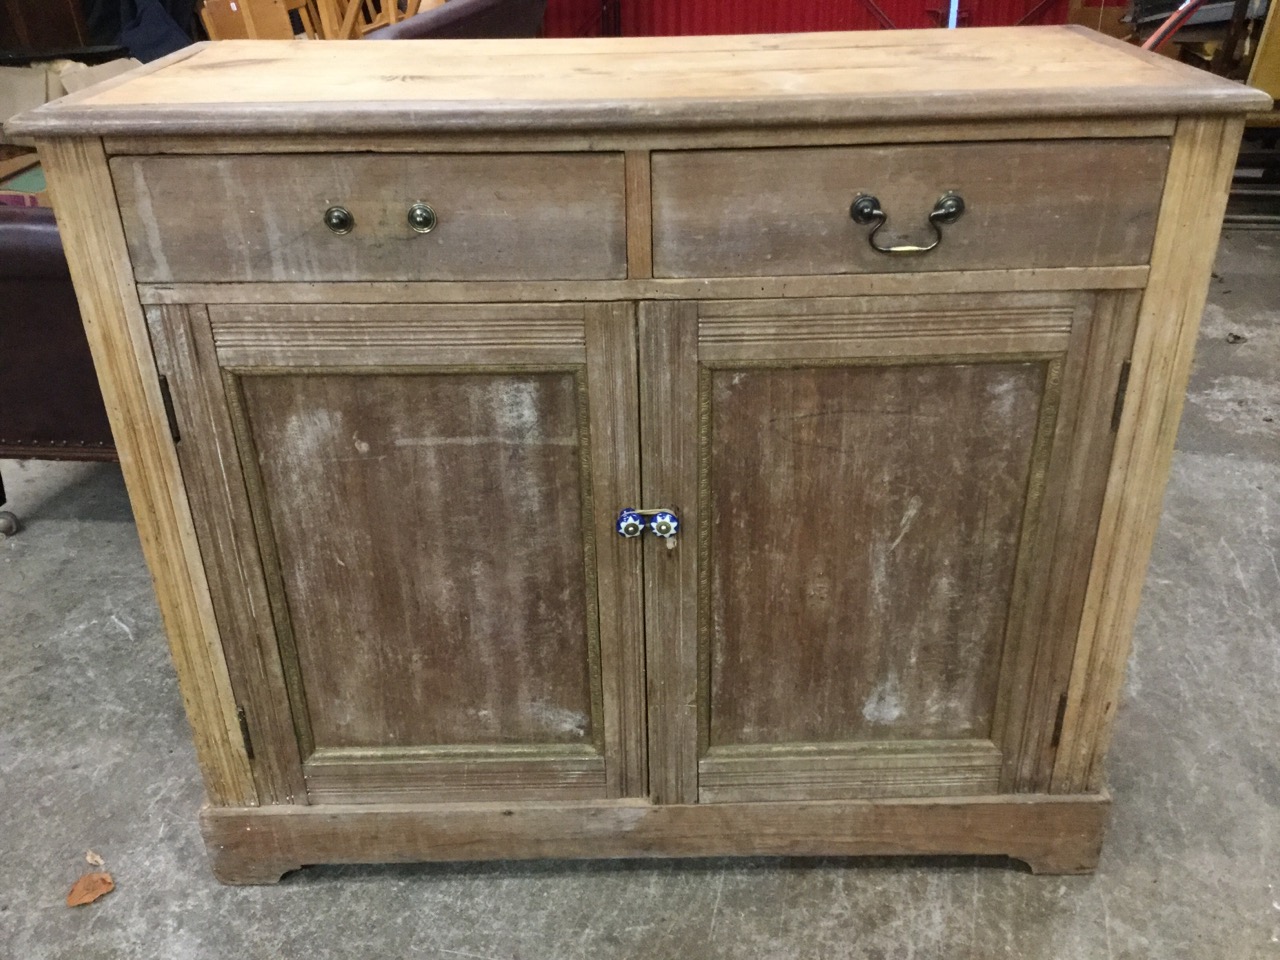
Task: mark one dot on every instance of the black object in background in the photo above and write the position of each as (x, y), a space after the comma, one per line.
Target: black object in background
(150, 29)
(37, 26)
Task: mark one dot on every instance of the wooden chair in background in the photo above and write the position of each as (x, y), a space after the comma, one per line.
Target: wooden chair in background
(352, 19)
(385, 19)
(468, 18)
(246, 19)
(307, 15)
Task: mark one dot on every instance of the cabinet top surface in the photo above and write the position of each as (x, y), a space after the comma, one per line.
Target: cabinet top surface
(301, 87)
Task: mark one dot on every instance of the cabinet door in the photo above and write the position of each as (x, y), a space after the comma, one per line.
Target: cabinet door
(888, 507)
(405, 513)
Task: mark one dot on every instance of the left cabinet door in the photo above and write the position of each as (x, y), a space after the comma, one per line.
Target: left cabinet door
(406, 517)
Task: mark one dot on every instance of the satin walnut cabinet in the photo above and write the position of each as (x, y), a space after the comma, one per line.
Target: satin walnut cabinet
(614, 448)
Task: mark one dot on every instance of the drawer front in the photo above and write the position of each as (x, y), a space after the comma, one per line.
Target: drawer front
(550, 216)
(786, 212)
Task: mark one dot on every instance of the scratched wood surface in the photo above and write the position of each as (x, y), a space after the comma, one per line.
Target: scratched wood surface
(122, 354)
(901, 571)
(429, 533)
(213, 472)
(1041, 632)
(779, 431)
(555, 141)
(863, 538)
(668, 340)
(552, 216)
(577, 291)
(870, 768)
(1200, 171)
(786, 211)
(494, 380)
(1052, 834)
(251, 87)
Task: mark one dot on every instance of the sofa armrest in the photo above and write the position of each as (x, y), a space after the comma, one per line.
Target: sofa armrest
(30, 247)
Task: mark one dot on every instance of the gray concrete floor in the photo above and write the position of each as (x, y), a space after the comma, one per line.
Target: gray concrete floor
(94, 753)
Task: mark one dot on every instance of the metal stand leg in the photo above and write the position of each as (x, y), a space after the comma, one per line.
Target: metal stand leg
(8, 522)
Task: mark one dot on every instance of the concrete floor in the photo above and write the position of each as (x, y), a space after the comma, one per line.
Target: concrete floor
(94, 753)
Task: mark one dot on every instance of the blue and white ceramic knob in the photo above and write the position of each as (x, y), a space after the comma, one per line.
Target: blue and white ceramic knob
(664, 525)
(630, 524)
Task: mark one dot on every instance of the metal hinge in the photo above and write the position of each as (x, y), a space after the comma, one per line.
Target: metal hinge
(244, 732)
(1121, 389)
(1057, 723)
(167, 396)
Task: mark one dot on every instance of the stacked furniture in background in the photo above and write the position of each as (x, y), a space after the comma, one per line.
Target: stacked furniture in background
(353, 19)
(468, 19)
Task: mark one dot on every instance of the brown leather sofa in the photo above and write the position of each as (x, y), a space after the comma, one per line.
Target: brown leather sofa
(50, 405)
(463, 19)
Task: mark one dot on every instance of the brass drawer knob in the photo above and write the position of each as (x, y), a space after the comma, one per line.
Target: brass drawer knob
(866, 210)
(422, 218)
(339, 220)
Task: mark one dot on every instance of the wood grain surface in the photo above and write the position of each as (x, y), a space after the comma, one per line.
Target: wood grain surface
(772, 630)
(882, 327)
(318, 335)
(1041, 633)
(246, 87)
(817, 771)
(544, 140)
(233, 561)
(915, 517)
(429, 532)
(1200, 172)
(1052, 834)
(786, 211)
(456, 774)
(864, 530)
(553, 216)
(245, 378)
(668, 339)
(700, 288)
(122, 354)
(613, 385)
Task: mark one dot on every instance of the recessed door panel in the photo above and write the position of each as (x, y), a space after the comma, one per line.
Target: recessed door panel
(864, 534)
(429, 531)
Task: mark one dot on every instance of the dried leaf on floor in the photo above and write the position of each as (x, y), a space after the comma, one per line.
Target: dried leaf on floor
(89, 888)
(94, 860)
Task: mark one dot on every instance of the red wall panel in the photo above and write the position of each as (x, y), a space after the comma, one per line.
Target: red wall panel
(1007, 13)
(576, 18)
(572, 18)
(681, 17)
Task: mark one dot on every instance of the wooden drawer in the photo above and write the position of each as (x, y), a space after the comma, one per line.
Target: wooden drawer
(786, 212)
(546, 216)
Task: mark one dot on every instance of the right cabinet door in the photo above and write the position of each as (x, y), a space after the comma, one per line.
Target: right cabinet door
(888, 510)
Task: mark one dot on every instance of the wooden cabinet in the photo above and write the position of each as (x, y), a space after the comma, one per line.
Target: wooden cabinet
(898, 338)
